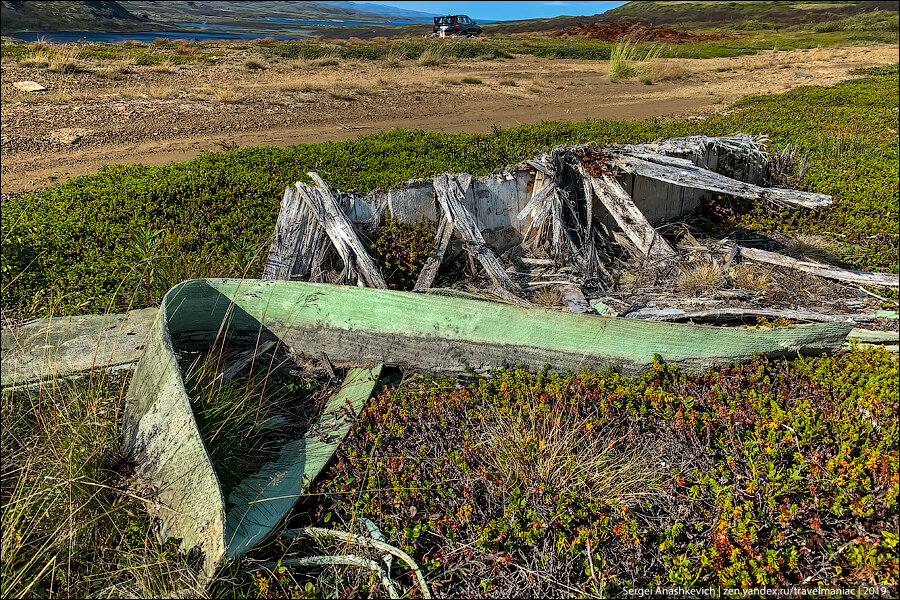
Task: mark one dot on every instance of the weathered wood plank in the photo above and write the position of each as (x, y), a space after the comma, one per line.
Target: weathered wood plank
(685, 173)
(630, 219)
(450, 193)
(340, 231)
(891, 280)
(430, 270)
(543, 187)
(64, 345)
(575, 299)
(734, 314)
(289, 253)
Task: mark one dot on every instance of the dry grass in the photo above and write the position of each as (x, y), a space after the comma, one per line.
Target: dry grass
(508, 82)
(228, 94)
(548, 296)
(628, 60)
(40, 60)
(768, 59)
(252, 64)
(65, 525)
(325, 62)
(57, 97)
(394, 58)
(549, 447)
(667, 70)
(298, 86)
(752, 277)
(161, 92)
(704, 276)
(433, 56)
(42, 46)
(339, 91)
(166, 66)
(538, 84)
(115, 69)
(63, 60)
(810, 247)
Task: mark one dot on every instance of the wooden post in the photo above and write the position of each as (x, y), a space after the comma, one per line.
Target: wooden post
(450, 195)
(630, 218)
(340, 231)
(430, 270)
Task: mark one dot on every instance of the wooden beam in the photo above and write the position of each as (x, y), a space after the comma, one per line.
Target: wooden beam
(340, 231)
(450, 195)
(891, 280)
(575, 299)
(630, 218)
(296, 238)
(430, 270)
(735, 314)
(685, 173)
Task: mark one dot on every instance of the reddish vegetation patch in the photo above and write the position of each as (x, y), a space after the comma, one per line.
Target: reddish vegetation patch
(635, 32)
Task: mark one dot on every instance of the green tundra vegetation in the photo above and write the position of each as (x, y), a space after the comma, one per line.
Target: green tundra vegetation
(770, 473)
(123, 237)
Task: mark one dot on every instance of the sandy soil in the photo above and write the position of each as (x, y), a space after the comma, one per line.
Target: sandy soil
(158, 115)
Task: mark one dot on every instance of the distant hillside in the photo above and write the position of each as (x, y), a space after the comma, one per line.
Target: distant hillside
(35, 15)
(730, 14)
(236, 11)
(384, 9)
(680, 15)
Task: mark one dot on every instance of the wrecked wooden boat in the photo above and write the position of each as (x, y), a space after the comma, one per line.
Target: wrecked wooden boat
(427, 332)
(565, 210)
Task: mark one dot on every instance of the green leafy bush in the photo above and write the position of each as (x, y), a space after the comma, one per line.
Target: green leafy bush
(401, 250)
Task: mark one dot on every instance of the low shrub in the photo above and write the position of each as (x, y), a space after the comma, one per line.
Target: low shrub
(766, 474)
(401, 250)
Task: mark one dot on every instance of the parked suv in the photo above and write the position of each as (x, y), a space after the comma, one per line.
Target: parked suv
(456, 25)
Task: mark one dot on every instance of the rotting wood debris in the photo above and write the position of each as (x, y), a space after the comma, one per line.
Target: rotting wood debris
(588, 221)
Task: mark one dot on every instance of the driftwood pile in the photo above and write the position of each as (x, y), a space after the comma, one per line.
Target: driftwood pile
(571, 215)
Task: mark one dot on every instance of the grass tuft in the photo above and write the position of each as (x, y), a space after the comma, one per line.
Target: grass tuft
(628, 58)
(553, 450)
(702, 277)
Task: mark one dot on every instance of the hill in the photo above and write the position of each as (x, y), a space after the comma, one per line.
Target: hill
(731, 14)
(206, 11)
(682, 15)
(65, 16)
(384, 9)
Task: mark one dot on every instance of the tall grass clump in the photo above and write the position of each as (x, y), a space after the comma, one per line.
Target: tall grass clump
(549, 447)
(628, 58)
(63, 60)
(434, 55)
(73, 522)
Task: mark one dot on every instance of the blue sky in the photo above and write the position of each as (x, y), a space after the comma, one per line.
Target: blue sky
(505, 11)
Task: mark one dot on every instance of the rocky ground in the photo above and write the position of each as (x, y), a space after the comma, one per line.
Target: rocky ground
(158, 114)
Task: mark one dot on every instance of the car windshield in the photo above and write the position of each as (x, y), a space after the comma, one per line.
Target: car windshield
(443, 20)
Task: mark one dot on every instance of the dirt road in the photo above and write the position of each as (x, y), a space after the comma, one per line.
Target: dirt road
(158, 115)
